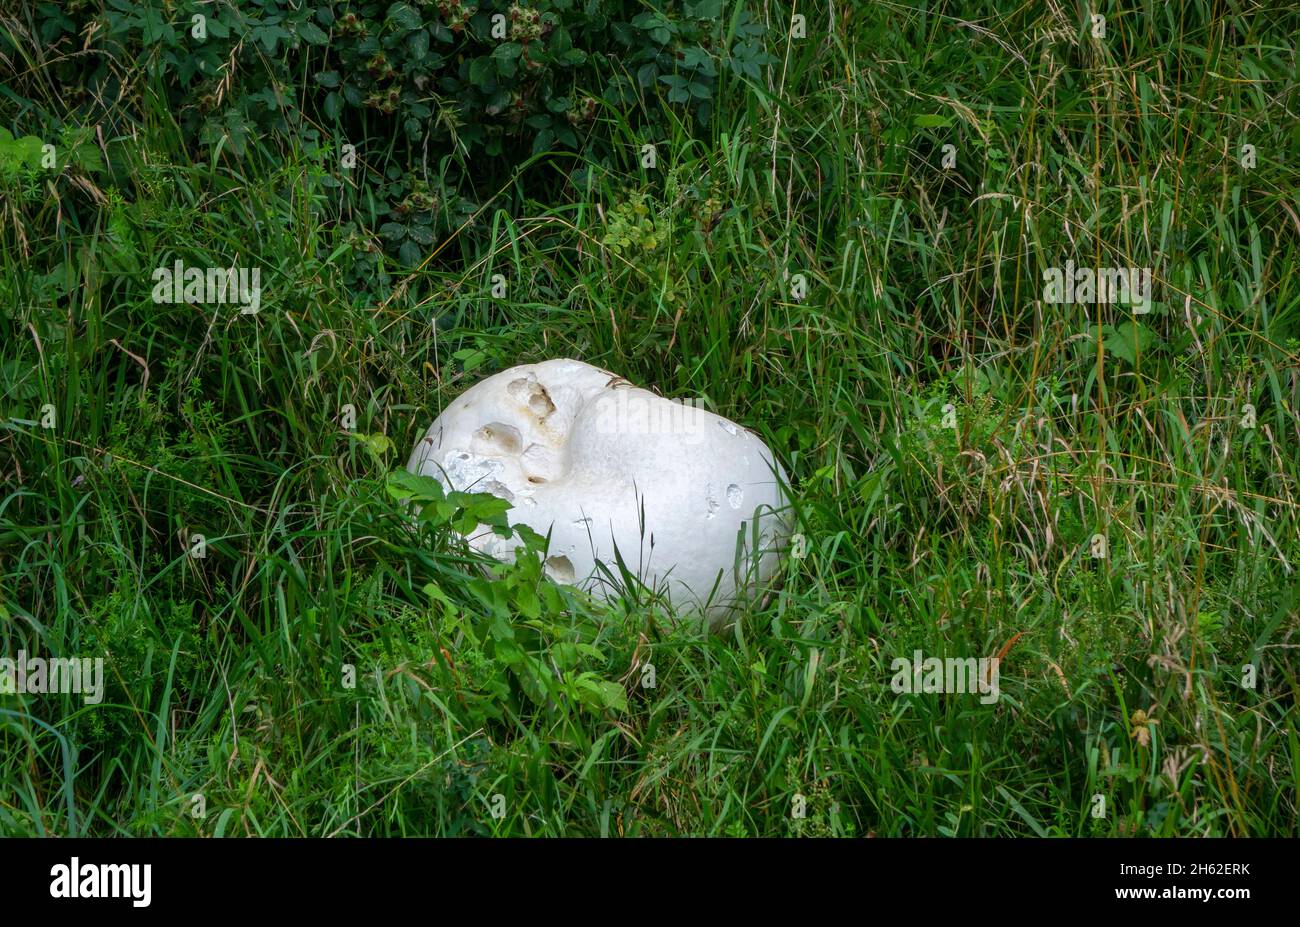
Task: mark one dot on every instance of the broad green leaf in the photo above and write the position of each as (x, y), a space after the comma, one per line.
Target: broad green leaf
(1129, 340)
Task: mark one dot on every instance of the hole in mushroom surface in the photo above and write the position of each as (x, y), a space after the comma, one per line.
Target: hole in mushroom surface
(527, 391)
(560, 569)
(540, 403)
(543, 462)
(497, 439)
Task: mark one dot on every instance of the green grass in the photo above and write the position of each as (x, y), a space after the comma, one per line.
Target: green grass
(225, 673)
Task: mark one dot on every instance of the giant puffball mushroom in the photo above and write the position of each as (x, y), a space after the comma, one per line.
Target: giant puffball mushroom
(691, 501)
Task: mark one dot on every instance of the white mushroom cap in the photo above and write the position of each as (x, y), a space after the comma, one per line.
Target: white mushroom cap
(595, 462)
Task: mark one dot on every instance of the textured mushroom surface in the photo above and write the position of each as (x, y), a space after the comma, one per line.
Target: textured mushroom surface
(598, 463)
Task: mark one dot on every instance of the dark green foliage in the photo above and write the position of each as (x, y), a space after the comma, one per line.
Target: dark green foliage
(441, 102)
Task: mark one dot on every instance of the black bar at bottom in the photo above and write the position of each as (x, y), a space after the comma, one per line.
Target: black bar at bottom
(337, 877)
